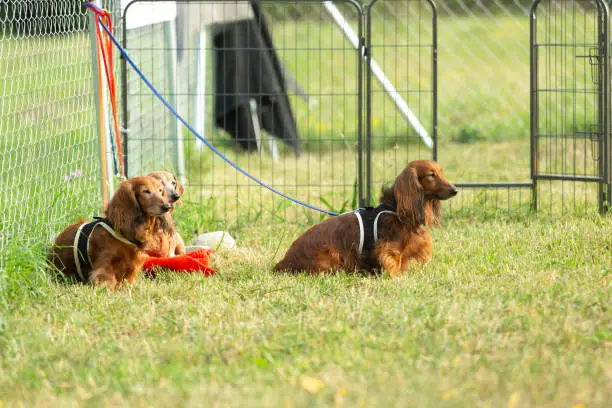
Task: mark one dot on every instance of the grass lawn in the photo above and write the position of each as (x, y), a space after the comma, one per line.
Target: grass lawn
(507, 314)
(513, 310)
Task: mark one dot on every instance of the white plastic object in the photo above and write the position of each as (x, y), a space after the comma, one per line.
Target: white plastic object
(214, 240)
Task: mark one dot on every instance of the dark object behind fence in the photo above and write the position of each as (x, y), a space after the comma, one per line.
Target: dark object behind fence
(244, 50)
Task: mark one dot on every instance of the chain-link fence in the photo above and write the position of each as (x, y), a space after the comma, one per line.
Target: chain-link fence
(49, 160)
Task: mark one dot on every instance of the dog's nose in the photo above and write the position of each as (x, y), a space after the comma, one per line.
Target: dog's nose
(175, 197)
(454, 191)
(166, 207)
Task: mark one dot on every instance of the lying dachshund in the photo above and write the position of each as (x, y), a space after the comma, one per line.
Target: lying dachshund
(387, 237)
(111, 250)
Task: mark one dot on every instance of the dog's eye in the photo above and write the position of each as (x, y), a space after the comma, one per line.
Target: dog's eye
(147, 191)
(432, 175)
(174, 183)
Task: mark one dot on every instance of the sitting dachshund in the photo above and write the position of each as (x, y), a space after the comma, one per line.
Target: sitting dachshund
(111, 250)
(387, 237)
(166, 242)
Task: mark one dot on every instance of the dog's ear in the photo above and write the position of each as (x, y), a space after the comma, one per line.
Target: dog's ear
(124, 211)
(410, 198)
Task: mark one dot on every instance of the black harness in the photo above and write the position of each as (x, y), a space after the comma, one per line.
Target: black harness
(368, 226)
(81, 245)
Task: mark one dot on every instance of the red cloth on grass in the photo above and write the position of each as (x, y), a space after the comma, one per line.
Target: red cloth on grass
(196, 261)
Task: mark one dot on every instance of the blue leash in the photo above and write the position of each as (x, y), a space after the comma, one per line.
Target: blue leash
(195, 132)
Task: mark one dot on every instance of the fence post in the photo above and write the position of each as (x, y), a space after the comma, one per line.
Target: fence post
(99, 102)
(533, 82)
(604, 107)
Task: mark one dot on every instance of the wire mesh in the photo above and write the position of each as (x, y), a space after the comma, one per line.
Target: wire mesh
(151, 142)
(460, 67)
(49, 162)
(571, 114)
(279, 95)
(463, 67)
(402, 51)
(484, 105)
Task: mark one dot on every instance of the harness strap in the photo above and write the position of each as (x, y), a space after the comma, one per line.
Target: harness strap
(115, 234)
(376, 223)
(78, 255)
(368, 226)
(81, 245)
(361, 231)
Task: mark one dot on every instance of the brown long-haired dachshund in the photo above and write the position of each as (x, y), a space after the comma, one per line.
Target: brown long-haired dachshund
(167, 242)
(110, 250)
(387, 237)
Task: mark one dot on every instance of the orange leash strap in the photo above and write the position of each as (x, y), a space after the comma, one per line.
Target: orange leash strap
(106, 49)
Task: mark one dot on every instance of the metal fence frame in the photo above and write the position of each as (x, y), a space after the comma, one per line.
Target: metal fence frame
(369, 51)
(353, 5)
(363, 52)
(602, 66)
(366, 50)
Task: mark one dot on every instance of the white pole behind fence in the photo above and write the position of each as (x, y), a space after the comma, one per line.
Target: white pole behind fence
(380, 75)
(177, 128)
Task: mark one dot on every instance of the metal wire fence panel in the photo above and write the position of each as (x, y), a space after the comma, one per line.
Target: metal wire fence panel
(402, 122)
(484, 66)
(483, 98)
(569, 128)
(151, 141)
(456, 71)
(277, 93)
(485, 48)
(49, 162)
(570, 82)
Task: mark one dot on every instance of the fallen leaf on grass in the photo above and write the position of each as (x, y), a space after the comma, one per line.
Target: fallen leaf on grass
(339, 396)
(515, 400)
(448, 394)
(311, 384)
